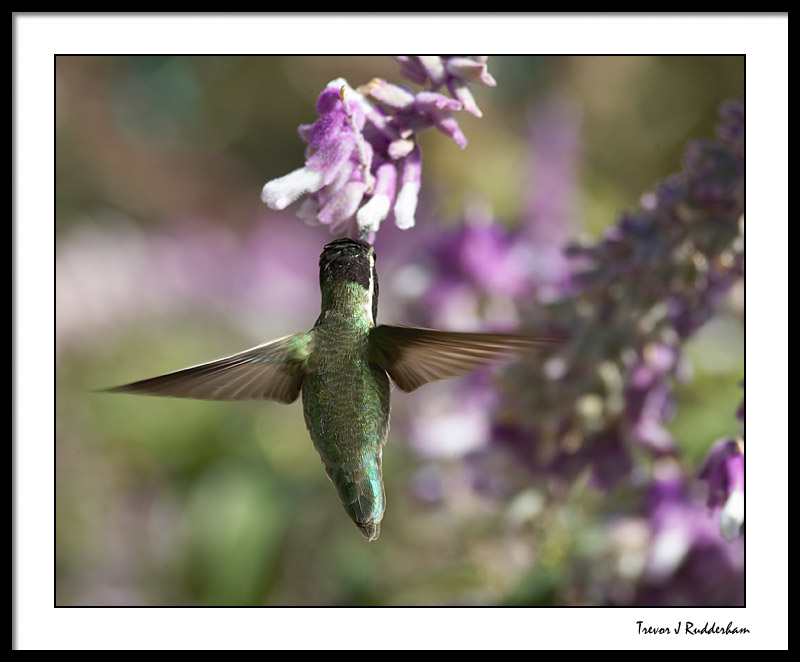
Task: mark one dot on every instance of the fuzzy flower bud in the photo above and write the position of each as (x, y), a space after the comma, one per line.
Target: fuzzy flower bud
(280, 193)
(406, 205)
(454, 72)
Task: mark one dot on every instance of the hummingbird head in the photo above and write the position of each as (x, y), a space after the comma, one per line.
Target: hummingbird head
(346, 261)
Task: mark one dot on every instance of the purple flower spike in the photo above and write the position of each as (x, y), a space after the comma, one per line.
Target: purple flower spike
(365, 140)
(634, 298)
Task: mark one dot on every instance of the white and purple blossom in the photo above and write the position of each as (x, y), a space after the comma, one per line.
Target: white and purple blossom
(363, 161)
(338, 160)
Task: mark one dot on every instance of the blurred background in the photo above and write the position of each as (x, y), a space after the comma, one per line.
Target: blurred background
(166, 257)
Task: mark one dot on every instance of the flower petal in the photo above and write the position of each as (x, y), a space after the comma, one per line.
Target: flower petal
(341, 207)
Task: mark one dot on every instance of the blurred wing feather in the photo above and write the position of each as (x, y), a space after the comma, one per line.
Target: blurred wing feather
(272, 371)
(414, 356)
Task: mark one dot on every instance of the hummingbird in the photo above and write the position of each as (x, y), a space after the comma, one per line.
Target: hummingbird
(343, 367)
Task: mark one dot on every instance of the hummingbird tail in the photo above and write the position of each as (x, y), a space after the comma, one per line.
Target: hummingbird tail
(366, 509)
(370, 530)
(364, 500)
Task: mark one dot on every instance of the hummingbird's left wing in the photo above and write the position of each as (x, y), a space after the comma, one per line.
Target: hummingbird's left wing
(413, 356)
(272, 371)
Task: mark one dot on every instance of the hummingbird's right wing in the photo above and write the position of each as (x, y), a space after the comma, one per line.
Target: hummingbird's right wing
(414, 356)
(272, 371)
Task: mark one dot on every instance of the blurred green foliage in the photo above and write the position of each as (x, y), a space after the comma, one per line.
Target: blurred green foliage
(167, 502)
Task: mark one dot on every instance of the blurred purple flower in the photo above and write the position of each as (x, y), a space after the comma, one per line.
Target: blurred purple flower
(363, 160)
(484, 259)
(740, 411)
(481, 275)
(186, 267)
(468, 277)
(688, 563)
(456, 423)
(552, 178)
(724, 471)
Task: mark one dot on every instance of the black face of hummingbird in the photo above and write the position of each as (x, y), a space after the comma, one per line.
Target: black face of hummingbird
(342, 367)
